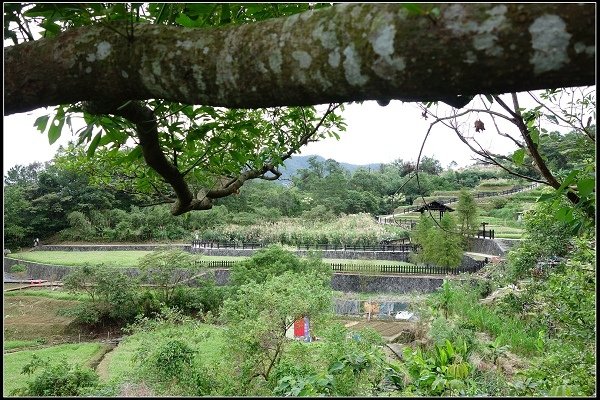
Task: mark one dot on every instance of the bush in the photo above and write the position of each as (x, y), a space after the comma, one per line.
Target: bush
(172, 359)
(112, 293)
(274, 261)
(498, 202)
(57, 379)
(206, 299)
(17, 268)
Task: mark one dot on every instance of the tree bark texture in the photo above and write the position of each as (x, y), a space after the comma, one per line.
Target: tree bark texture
(348, 52)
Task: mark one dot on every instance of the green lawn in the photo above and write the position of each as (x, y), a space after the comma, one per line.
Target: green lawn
(48, 293)
(129, 259)
(81, 353)
(17, 344)
(117, 258)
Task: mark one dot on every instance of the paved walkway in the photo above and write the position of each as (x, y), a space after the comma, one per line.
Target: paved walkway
(480, 256)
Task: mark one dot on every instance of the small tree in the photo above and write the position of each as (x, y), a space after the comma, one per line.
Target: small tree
(422, 236)
(112, 294)
(164, 269)
(261, 313)
(466, 211)
(446, 246)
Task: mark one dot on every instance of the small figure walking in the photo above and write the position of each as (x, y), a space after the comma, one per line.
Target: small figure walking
(36, 242)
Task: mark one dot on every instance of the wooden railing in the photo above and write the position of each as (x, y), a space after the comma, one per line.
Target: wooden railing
(487, 233)
(375, 268)
(226, 245)
(401, 248)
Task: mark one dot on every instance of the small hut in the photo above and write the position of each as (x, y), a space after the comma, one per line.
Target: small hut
(435, 206)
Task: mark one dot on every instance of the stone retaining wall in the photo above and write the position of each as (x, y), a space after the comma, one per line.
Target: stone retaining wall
(340, 281)
(334, 254)
(385, 283)
(57, 272)
(476, 245)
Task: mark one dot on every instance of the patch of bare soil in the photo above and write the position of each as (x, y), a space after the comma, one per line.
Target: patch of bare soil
(508, 362)
(129, 389)
(391, 331)
(29, 318)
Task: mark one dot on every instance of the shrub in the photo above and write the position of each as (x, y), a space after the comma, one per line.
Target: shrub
(172, 358)
(57, 379)
(274, 261)
(208, 298)
(113, 297)
(442, 371)
(164, 269)
(17, 268)
(498, 202)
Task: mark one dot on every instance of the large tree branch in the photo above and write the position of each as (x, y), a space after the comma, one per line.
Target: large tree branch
(147, 132)
(348, 52)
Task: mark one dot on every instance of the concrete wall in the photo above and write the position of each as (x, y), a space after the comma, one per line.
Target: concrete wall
(38, 271)
(485, 246)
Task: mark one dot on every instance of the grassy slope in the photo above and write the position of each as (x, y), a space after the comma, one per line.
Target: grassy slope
(81, 353)
(118, 364)
(117, 258)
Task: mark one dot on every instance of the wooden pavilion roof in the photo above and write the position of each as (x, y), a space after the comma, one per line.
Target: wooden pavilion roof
(434, 206)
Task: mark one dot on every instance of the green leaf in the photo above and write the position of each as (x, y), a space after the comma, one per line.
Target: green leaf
(202, 130)
(94, 144)
(586, 186)
(518, 156)
(413, 8)
(568, 180)
(336, 367)
(55, 129)
(86, 134)
(546, 196)
(535, 135)
(564, 214)
(51, 27)
(552, 118)
(134, 154)
(187, 22)
(41, 122)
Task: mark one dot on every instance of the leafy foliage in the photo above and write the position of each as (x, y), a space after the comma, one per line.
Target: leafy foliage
(164, 269)
(274, 261)
(259, 314)
(444, 371)
(466, 211)
(438, 245)
(57, 378)
(112, 293)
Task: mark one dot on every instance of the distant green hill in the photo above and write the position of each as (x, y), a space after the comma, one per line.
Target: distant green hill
(293, 164)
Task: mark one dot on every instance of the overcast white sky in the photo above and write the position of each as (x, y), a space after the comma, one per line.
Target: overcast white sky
(374, 134)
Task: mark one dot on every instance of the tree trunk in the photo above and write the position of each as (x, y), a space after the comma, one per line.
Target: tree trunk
(348, 52)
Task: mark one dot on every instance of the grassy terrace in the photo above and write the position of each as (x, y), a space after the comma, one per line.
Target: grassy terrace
(129, 259)
(82, 353)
